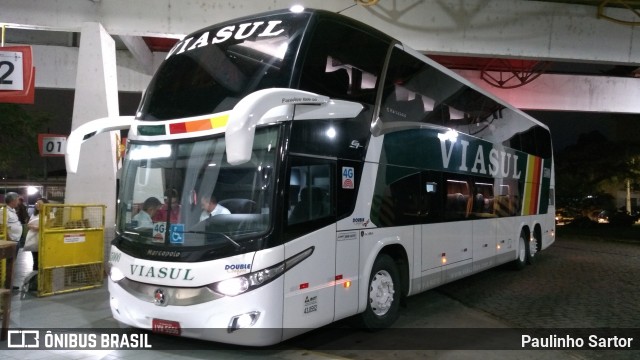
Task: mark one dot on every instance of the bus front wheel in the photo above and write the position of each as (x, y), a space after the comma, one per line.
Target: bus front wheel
(383, 298)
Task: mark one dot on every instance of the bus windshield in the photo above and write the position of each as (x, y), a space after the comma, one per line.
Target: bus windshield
(187, 195)
(210, 71)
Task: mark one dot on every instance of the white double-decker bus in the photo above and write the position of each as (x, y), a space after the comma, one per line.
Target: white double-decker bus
(355, 171)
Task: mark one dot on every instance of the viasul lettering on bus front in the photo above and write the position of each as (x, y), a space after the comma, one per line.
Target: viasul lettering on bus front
(163, 272)
(238, 32)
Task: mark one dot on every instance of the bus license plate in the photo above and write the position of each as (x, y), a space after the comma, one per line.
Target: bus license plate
(168, 327)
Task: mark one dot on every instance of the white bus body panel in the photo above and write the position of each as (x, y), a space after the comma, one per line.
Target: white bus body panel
(347, 279)
(208, 320)
(309, 294)
(507, 239)
(484, 243)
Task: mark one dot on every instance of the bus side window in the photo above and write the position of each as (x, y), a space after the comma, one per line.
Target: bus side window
(483, 199)
(336, 83)
(459, 200)
(336, 66)
(312, 205)
(503, 205)
(397, 198)
(431, 197)
(404, 98)
(310, 192)
(406, 199)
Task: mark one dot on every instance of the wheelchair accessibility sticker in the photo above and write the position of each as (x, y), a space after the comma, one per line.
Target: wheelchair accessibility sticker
(176, 234)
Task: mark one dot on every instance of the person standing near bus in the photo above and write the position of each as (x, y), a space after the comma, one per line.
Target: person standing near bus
(31, 243)
(23, 216)
(14, 227)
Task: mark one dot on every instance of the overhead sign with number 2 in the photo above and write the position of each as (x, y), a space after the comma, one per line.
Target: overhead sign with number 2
(17, 75)
(11, 70)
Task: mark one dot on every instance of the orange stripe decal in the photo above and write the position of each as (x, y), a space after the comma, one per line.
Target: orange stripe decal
(199, 125)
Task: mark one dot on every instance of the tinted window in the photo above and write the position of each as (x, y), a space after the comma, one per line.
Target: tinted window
(210, 71)
(345, 138)
(535, 141)
(405, 196)
(337, 65)
(310, 193)
(417, 92)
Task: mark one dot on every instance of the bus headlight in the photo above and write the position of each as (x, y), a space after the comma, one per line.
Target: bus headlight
(233, 286)
(247, 282)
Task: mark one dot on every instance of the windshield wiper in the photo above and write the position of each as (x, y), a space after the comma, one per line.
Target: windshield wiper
(225, 236)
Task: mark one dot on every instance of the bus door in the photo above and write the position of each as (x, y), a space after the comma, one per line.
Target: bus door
(311, 223)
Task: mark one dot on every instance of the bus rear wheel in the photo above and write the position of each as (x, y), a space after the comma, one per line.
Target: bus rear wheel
(523, 251)
(534, 246)
(383, 298)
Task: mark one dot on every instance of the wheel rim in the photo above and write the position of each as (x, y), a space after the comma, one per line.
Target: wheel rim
(522, 254)
(533, 247)
(381, 292)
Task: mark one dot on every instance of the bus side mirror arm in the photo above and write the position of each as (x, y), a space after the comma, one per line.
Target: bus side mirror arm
(250, 111)
(88, 130)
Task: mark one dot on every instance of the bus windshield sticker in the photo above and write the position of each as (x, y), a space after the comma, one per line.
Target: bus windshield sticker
(158, 231)
(348, 179)
(177, 233)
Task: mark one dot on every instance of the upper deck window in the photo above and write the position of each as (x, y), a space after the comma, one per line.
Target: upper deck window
(335, 64)
(416, 92)
(211, 70)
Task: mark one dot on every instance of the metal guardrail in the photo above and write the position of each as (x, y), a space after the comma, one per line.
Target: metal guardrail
(70, 248)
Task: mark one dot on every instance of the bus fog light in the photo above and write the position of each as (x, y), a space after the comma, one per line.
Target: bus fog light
(243, 321)
(116, 274)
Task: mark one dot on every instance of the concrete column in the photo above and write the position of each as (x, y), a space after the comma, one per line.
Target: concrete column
(96, 96)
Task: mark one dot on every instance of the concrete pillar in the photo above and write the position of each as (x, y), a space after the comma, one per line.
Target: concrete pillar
(96, 96)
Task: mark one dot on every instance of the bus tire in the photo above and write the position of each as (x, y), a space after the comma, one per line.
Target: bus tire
(523, 250)
(533, 247)
(383, 295)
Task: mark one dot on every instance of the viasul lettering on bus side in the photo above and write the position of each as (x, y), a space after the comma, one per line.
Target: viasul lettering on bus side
(501, 163)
